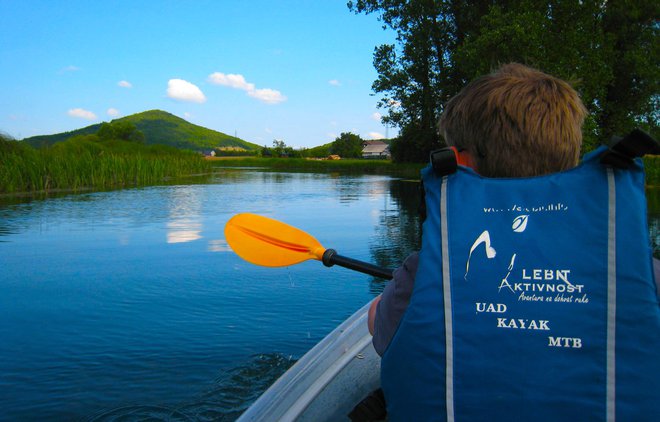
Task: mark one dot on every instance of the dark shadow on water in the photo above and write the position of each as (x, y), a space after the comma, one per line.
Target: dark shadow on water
(402, 223)
(231, 393)
(143, 413)
(5, 231)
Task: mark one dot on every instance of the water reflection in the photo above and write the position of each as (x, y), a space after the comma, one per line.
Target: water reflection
(185, 205)
(351, 188)
(218, 245)
(400, 221)
(181, 230)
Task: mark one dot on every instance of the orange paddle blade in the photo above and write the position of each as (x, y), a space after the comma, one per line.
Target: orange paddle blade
(270, 243)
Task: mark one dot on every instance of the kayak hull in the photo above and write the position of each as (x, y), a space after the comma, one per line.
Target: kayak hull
(327, 382)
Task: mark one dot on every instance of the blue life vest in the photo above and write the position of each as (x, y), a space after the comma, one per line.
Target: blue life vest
(534, 300)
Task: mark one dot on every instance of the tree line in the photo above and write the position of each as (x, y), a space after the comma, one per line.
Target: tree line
(346, 145)
(608, 49)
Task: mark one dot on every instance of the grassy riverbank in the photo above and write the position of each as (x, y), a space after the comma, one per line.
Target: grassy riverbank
(88, 163)
(85, 163)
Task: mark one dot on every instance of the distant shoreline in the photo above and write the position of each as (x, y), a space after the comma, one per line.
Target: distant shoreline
(352, 166)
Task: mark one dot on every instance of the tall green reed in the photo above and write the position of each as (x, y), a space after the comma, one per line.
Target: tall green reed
(86, 163)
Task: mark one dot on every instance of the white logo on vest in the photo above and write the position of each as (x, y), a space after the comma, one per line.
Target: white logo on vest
(530, 285)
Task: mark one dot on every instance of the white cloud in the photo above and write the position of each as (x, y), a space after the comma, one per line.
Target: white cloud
(231, 80)
(70, 68)
(334, 82)
(236, 81)
(267, 95)
(113, 112)
(181, 90)
(187, 115)
(81, 114)
(376, 116)
(376, 135)
(125, 84)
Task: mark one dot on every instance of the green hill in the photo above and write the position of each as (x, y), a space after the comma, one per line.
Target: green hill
(49, 140)
(159, 127)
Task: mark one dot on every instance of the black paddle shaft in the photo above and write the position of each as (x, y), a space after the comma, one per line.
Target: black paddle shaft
(330, 258)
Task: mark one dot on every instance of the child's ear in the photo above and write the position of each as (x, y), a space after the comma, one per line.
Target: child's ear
(466, 159)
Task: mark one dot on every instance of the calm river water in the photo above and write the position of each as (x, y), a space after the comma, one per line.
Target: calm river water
(131, 303)
(127, 304)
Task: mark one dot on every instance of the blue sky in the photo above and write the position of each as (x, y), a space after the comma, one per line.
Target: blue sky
(292, 70)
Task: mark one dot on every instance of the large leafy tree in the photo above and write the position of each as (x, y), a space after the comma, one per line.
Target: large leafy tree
(411, 76)
(347, 145)
(633, 52)
(120, 129)
(608, 49)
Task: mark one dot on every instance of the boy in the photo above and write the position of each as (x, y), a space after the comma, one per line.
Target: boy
(529, 124)
(516, 122)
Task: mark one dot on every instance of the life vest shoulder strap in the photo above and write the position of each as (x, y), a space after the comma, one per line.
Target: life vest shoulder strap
(622, 152)
(444, 161)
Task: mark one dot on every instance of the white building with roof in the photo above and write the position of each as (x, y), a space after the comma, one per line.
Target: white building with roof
(375, 149)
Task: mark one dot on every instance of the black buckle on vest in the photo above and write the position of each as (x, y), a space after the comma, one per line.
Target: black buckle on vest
(623, 151)
(444, 161)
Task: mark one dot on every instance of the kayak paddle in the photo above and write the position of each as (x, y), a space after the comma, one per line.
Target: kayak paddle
(271, 243)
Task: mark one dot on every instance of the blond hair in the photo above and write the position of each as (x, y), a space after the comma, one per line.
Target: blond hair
(516, 122)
